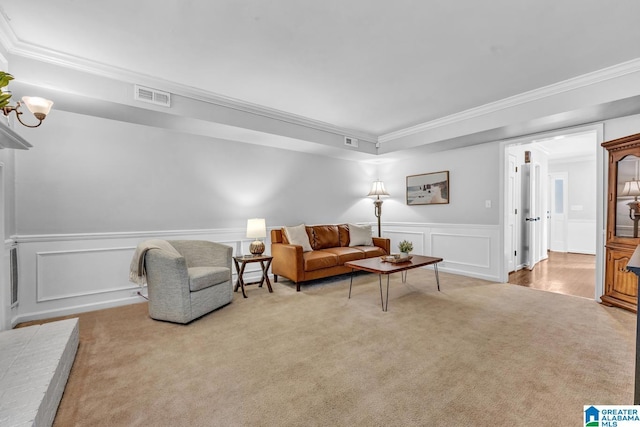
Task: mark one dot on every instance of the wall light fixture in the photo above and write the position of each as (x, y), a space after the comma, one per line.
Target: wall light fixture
(39, 107)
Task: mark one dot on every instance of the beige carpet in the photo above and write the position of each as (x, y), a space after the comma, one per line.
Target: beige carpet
(477, 353)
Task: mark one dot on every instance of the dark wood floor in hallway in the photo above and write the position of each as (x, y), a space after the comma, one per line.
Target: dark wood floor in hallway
(563, 273)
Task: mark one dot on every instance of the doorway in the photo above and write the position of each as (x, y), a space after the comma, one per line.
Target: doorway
(563, 272)
(554, 212)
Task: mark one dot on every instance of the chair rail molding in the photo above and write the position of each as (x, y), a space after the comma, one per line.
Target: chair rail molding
(62, 274)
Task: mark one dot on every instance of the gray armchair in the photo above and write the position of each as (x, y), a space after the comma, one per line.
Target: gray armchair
(188, 284)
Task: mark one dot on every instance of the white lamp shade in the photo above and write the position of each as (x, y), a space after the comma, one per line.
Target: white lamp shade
(377, 189)
(37, 105)
(631, 188)
(256, 228)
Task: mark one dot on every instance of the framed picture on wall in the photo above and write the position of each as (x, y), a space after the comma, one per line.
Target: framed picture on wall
(428, 188)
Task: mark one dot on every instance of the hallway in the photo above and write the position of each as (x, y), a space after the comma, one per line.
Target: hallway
(563, 273)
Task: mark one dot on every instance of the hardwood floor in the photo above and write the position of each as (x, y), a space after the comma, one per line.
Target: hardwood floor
(563, 273)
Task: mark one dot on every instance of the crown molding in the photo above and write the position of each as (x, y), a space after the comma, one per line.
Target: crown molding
(18, 47)
(598, 76)
(13, 45)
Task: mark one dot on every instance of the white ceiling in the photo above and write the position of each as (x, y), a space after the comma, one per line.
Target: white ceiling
(369, 66)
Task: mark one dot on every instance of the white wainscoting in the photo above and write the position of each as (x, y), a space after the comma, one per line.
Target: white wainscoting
(68, 274)
(467, 249)
(581, 236)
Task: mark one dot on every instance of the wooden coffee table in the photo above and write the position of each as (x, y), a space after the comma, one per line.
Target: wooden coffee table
(380, 267)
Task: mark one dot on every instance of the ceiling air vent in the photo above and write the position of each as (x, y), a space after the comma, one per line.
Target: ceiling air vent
(152, 96)
(351, 142)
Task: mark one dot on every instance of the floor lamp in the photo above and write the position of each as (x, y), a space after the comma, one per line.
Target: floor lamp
(377, 190)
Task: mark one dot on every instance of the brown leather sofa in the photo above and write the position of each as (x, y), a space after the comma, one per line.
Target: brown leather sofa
(330, 244)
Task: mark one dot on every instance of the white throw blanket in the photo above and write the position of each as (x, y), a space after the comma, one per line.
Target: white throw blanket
(137, 272)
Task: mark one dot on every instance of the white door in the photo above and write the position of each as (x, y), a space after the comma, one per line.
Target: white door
(558, 211)
(531, 235)
(512, 223)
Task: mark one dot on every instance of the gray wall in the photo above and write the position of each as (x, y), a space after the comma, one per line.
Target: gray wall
(87, 174)
(624, 126)
(473, 179)
(582, 187)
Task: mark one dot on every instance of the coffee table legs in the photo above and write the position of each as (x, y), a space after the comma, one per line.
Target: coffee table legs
(387, 303)
(379, 280)
(383, 304)
(351, 282)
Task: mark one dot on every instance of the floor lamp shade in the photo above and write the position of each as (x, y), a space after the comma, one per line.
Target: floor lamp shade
(256, 228)
(377, 189)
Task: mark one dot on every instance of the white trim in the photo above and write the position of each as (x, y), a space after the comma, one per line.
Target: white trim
(65, 311)
(421, 233)
(18, 47)
(438, 225)
(36, 238)
(31, 238)
(598, 76)
(39, 285)
(66, 295)
(486, 265)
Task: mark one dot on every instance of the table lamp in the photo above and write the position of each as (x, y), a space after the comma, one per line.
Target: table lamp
(256, 228)
(632, 189)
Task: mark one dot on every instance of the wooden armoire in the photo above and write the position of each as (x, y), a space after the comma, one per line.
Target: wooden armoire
(623, 214)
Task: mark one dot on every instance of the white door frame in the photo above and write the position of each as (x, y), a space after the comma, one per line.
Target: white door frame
(512, 227)
(601, 170)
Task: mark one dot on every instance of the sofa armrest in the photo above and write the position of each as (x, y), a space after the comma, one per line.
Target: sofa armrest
(168, 286)
(287, 261)
(383, 243)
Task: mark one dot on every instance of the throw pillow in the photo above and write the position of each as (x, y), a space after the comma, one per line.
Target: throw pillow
(360, 235)
(298, 236)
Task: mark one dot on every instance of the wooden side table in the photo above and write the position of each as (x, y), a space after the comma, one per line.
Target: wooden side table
(242, 261)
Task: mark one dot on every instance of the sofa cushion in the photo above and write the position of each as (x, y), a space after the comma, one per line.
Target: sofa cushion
(203, 277)
(345, 254)
(317, 260)
(325, 236)
(298, 236)
(360, 235)
(343, 232)
(371, 251)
